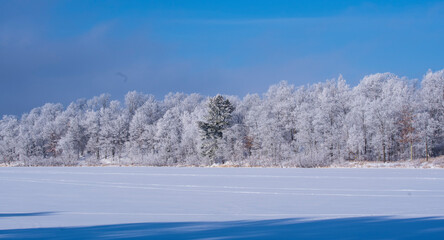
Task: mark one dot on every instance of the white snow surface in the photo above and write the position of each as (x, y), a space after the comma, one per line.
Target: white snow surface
(106, 202)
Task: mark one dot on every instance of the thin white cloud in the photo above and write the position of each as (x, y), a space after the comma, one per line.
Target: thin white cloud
(246, 21)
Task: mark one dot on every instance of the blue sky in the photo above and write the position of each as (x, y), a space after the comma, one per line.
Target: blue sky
(59, 51)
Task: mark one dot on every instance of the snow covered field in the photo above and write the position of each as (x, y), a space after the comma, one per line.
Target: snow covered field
(138, 202)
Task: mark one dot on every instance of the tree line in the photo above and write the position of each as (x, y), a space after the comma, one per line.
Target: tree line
(383, 118)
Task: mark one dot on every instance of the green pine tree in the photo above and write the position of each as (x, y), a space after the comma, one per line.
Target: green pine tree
(217, 119)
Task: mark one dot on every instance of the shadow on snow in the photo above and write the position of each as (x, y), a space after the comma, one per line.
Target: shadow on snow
(293, 228)
(2, 215)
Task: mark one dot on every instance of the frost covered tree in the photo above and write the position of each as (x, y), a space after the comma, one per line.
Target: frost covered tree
(169, 137)
(194, 109)
(134, 100)
(251, 110)
(73, 143)
(141, 128)
(92, 120)
(432, 127)
(189, 150)
(217, 119)
(333, 100)
(277, 123)
(114, 130)
(9, 130)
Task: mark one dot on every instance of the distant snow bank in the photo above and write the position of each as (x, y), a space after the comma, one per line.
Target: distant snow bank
(437, 162)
